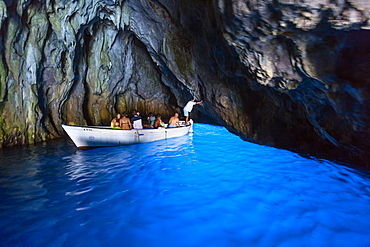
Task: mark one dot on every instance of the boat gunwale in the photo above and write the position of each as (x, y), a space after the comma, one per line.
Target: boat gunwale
(109, 128)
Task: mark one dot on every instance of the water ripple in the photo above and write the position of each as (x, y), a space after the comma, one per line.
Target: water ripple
(207, 189)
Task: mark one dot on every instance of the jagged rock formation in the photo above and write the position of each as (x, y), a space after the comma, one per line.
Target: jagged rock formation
(292, 74)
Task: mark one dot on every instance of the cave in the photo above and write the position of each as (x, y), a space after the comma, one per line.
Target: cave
(275, 73)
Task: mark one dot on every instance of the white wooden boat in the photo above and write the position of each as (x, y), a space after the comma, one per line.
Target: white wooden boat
(104, 136)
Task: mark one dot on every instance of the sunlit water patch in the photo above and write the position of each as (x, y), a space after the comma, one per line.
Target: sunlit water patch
(206, 189)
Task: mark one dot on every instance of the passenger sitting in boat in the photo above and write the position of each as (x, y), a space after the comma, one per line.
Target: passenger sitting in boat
(115, 122)
(125, 122)
(174, 121)
(158, 121)
(151, 120)
(136, 120)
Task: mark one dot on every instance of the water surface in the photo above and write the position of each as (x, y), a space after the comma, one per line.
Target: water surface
(206, 189)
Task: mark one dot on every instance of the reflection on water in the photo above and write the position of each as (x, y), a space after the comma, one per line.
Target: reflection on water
(207, 189)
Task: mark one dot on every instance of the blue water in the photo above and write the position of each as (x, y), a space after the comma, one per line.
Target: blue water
(206, 189)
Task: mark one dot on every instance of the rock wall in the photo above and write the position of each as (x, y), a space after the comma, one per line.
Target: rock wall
(287, 73)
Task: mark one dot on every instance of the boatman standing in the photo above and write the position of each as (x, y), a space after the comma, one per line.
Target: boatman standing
(189, 107)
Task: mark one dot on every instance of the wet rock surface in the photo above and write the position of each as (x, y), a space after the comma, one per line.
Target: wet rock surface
(282, 73)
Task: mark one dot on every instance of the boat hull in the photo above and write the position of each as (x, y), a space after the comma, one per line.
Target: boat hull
(101, 136)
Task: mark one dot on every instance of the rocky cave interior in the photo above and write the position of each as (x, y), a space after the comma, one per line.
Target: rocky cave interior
(278, 72)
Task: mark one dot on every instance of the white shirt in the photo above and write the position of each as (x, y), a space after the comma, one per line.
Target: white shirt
(137, 124)
(189, 106)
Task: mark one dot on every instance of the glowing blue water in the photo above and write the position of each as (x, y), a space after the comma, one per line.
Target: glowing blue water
(209, 189)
